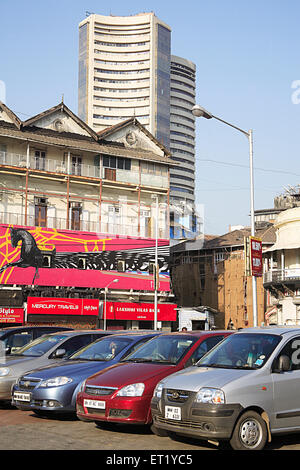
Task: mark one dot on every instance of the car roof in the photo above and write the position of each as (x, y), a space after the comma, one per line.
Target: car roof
(271, 329)
(8, 329)
(135, 334)
(77, 332)
(198, 333)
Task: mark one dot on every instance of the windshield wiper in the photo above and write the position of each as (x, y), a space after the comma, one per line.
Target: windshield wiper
(138, 359)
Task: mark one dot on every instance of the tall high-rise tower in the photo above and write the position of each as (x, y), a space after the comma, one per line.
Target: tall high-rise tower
(124, 71)
(182, 145)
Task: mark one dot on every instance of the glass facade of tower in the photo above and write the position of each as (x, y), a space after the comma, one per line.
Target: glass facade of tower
(163, 85)
(82, 72)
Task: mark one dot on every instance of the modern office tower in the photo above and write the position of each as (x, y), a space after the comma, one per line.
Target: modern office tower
(124, 71)
(182, 145)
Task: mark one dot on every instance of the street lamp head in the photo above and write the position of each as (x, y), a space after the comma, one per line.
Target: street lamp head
(198, 111)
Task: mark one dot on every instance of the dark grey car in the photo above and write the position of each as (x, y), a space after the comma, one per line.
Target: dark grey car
(14, 338)
(48, 349)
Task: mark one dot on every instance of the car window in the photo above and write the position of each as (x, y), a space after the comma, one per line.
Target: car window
(164, 348)
(74, 344)
(291, 349)
(103, 350)
(241, 351)
(40, 346)
(18, 340)
(136, 346)
(205, 346)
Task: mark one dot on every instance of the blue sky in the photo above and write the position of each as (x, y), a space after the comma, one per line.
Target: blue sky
(247, 58)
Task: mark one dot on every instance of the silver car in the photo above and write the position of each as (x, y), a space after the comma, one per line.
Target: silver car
(46, 350)
(244, 390)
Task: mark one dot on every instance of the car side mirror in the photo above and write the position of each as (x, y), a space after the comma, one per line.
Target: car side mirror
(284, 364)
(59, 353)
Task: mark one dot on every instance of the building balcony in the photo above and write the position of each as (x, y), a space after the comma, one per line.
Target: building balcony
(278, 276)
(128, 228)
(84, 170)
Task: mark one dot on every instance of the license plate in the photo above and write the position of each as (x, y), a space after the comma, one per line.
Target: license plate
(173, 412)
(19, 396)
(94, 404)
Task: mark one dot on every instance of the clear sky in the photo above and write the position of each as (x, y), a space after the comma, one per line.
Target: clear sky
(247, 58)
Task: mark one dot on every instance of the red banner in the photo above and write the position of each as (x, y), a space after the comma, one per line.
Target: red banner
(256, 256)
(139, 311)
(11, 315)
(62, 306)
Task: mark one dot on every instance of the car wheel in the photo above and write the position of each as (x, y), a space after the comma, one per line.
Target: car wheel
(159, 432)
(250, 432)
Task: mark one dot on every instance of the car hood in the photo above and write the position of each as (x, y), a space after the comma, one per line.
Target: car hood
(70, 369)
(11, 360)
(126, 373)
(193, 378)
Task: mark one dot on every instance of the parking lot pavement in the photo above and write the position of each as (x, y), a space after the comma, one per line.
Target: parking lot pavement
(23, 430)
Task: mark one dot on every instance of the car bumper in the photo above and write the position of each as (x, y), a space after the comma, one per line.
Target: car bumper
(135, 410)
(6, 385)
(202, 421)
(57, 399)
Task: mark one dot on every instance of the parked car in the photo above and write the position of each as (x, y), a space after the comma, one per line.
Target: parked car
(243, 391)
(47, 349)
(122, 393)
(14, 338)
(54, 388)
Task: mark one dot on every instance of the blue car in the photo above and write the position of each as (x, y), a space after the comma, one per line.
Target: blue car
(54, 388)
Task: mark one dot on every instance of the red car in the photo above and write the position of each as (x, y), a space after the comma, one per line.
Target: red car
(122, 393)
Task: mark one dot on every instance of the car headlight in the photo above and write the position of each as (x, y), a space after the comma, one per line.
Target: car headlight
(55, 382)
(133, 390)
(158, 390)
(210, 395)
(4, 371)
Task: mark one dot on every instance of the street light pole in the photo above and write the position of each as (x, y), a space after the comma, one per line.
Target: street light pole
(105, 291)
(198, 111)
(155, 277)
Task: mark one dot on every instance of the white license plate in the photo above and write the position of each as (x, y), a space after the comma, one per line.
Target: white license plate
(19, 396)
(94, 404)
(173, 412)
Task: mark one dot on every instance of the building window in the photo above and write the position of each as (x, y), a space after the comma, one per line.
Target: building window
(39, 160)
(40, 212)
(76, 163)
(76, 211)
(121, 163)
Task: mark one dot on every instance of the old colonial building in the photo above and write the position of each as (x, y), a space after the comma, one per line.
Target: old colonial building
(210, 274)
(83, 216)
(282, 270)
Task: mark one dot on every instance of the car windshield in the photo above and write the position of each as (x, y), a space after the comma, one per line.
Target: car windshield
(241, 351)
(105, 349)
(40, 346)
(163, 349)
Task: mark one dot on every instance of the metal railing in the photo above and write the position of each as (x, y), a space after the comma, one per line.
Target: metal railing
(128, 228)
(281, 275)
(79, 169)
